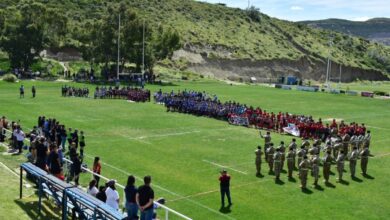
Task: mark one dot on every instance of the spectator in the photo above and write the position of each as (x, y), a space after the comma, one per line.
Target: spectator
(82, 144)
(96, 169)
(144, 198)
(101, 195)
(92, 190)
(131, 204)
(19, 136)
(112, 195)
(55, 162)
(224, 180)
(75, 168)
(41, 153)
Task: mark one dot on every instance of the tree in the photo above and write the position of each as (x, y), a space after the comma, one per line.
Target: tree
(27, 30)
(254, 13)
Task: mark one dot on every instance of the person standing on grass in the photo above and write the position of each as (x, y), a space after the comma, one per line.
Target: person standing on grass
(327, 162)
(224, 183)
(144, 199)
(112, 195)
(96, 168)
(82, 144)
(19, 135)
(21, 91)
(75, 168)
(258, 154)
(41, 153)
(33, 91)
(340, 165)
(267, 142)
(352, 161)
(364, 154)
(55, 162)
(290, 162)
(303, 171)
(131, 203)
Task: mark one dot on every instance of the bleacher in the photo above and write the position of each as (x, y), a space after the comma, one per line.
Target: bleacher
(72, 199)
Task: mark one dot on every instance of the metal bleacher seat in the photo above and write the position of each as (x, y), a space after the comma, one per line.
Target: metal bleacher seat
(69, 196)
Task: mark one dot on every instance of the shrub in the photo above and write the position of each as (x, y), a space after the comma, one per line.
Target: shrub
(10, 78)
(380, 93)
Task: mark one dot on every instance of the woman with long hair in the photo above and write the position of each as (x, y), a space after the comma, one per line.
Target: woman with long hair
(131, 204)
(96, 168)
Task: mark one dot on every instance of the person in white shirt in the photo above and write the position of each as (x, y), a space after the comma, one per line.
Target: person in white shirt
(92, 190)
(112, 195)
(19, 134)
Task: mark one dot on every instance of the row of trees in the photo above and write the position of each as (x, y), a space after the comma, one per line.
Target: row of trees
(30, 27)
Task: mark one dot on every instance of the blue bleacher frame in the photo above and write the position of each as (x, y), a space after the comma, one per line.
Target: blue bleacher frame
(69, 196)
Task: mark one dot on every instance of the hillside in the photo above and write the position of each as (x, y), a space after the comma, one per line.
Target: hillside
(376, 29)
(228, 43)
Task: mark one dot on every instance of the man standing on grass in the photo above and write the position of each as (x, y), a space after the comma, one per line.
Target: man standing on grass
(144, 199)
(224, 182)
(290, 162)
(327, 162)
(352, 161)
(282, 150)
(267, 142)
(270, 157)
(340, 165)
(294, 146)
(301, 153)
(315, 163)
(33, 91)
(277, 158)
(19, 135)
(364, 160)
(303, 171)
(258, 154)
(21, 91)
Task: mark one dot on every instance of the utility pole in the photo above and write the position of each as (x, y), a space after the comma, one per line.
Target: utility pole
(143, 47)
(329, 66)
(119, 38)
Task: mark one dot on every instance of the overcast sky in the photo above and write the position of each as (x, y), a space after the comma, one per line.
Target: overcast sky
(298, 10)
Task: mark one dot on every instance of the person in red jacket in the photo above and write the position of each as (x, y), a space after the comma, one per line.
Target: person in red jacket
(224, 182)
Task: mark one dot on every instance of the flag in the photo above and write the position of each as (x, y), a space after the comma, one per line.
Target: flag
(292, 129)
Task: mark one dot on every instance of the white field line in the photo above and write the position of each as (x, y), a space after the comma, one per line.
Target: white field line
(164, 135)
(166, 190)
(226, 167)
(217, 190)
(381, 155)
(8, 169)
(379, 128)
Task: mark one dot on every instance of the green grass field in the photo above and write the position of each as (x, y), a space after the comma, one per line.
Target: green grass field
(174, 148)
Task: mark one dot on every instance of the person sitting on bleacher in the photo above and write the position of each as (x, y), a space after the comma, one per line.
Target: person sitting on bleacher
(92, 190)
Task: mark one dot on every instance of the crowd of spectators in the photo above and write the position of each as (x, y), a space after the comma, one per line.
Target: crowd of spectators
(204, 104)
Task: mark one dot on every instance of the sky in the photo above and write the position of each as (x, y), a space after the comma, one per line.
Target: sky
(299, 10)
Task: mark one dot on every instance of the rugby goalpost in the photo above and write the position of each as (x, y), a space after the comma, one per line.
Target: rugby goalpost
(8, 134)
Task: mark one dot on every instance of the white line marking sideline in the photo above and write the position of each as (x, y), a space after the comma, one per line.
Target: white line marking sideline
(7, 168)
(226, 167)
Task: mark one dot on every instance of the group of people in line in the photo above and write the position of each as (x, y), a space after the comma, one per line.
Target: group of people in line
(306, 157)
(204, 104)
(71, 91)
(130, 93)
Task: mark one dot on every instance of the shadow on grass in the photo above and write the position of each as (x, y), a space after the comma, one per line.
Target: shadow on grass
(306, 191)
(318, 187)
(31, 209)
(225, 209)
(367, 176)
(279, 182)
(329, 185)
(292, 179)
(343, 182)
(259, 175)
(354, 178)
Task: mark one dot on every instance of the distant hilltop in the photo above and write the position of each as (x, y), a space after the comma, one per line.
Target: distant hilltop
(376, 29)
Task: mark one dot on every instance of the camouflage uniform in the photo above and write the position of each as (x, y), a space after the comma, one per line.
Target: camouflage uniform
(301, 153)
(364, 160)
(303, 172)
(258, 154)
(340, 165)
(290, 162)
(270, 159)
(282, 150)
(294, 146)
(277, 163)
(315, 166)
(327, 162)
(345, 139)
(352, 162)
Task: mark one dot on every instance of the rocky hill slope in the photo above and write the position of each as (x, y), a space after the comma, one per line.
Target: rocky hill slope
(234, 43)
